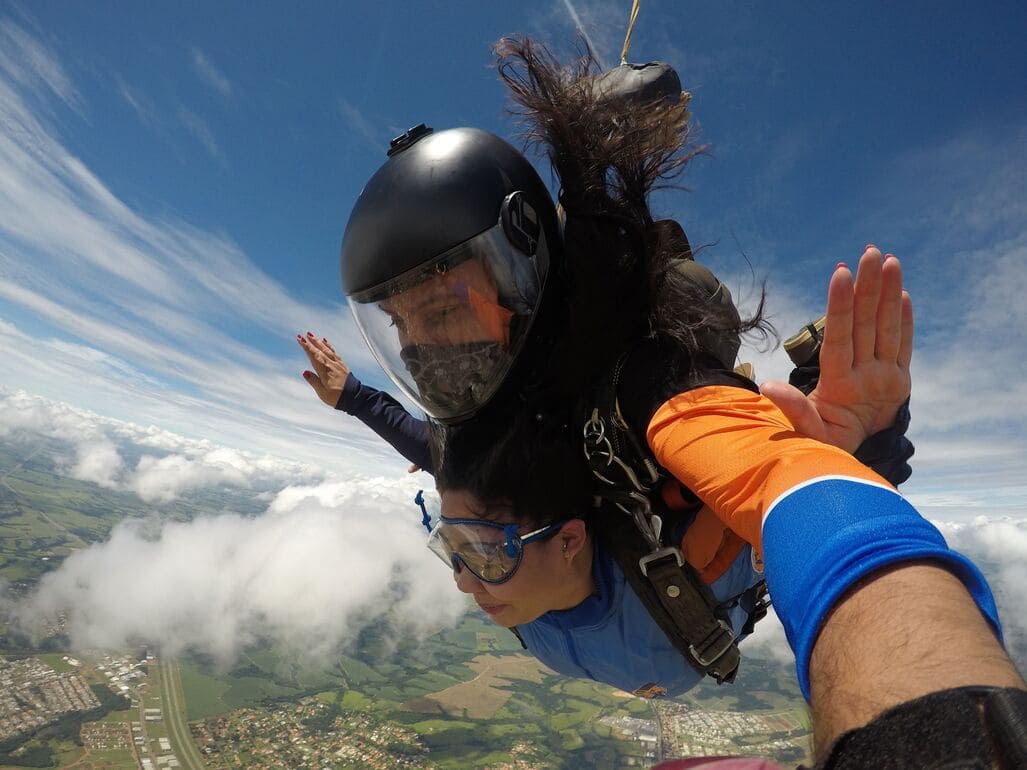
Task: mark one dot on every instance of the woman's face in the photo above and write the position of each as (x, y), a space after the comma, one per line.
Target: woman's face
(552, 575)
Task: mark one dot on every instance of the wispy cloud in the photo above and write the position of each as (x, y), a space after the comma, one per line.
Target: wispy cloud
(209, 73)
(202, 132)
(583, 28)
(136, 100)
(26, 62)
(142, 313)
(358, 123)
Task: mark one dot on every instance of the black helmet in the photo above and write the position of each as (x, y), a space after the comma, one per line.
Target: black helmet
(444, 262)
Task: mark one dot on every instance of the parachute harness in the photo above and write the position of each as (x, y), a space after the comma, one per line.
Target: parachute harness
(680, 603)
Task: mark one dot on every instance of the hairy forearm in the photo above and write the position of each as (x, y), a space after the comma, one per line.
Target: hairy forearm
(904, 632)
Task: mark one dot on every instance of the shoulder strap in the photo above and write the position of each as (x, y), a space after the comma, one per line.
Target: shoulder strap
(678, 601)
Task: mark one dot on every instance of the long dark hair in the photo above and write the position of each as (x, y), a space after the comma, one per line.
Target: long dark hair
(609, 156)
(528, 462)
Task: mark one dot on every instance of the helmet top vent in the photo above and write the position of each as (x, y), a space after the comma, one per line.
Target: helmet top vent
(407, 138)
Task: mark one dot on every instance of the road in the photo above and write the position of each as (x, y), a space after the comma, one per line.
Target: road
(173, 703)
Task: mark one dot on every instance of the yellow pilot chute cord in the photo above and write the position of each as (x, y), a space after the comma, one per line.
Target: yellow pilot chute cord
(631, 26)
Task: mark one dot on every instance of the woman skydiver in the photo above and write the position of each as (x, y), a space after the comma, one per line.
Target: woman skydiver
(511, 336)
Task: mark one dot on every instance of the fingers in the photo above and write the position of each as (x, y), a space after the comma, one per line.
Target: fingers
(319, 351)
(324, 349)
(315, 382)
(865, 304)
(836, 349)
(905, 353)
(312, 355)
(889, 311)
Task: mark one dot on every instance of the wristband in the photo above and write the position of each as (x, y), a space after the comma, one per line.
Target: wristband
(823, 536)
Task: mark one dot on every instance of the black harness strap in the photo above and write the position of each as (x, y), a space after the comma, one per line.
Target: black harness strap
(669, 588)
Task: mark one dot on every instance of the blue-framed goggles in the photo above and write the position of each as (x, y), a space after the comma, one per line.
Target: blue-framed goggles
(491, 551)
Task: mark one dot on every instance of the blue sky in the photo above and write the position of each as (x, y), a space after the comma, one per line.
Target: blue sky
(175, 179)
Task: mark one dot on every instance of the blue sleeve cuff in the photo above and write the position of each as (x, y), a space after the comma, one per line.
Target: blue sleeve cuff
(350, 389)
(888, 451)
(819, 539)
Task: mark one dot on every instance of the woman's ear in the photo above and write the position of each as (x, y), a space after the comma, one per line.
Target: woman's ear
(573, 538)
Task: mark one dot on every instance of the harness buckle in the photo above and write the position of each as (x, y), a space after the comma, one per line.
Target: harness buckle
(715, 645)
(657, 555)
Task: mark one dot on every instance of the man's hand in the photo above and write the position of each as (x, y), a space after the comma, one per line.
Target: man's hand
(864, 358)
(330, 371)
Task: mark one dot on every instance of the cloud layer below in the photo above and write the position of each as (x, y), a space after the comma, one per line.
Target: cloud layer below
(319, 566)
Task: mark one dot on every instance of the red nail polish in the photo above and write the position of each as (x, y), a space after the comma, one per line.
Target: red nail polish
(840, 265)
(869, 246)
(299, 339)
(307, 375)
(310, 334)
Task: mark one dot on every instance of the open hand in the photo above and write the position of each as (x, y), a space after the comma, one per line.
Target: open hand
(330, 371)
(864, 357)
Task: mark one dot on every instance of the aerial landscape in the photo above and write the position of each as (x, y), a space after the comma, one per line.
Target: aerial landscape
(462, 697)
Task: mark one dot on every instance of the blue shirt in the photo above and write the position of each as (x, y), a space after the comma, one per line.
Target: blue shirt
(611, 638)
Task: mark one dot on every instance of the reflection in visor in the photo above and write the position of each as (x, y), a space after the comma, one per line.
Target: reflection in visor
(448, 332)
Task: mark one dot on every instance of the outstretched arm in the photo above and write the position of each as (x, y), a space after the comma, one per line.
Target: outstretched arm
(903, 633)
(338, 387)
(864, 359)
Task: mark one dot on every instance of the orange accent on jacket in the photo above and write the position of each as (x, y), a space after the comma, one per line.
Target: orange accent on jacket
(738, 453)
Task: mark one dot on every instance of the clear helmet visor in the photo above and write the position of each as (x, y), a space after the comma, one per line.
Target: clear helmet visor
(448, 332)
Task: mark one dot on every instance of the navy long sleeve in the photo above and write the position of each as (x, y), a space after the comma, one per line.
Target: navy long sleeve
(389, 419)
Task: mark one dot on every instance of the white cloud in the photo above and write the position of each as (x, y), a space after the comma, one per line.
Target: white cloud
(137, 101)
(321, 564)
(187, 465)
(210, 74)
(768, 641)
(98, 462)
(999, 547)
(165, 478)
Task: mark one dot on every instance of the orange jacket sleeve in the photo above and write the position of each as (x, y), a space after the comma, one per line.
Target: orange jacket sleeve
(739, 453)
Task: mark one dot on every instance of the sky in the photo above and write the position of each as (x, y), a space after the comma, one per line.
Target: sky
(175, 180)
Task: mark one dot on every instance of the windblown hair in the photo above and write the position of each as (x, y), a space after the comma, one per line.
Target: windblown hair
(610, 154)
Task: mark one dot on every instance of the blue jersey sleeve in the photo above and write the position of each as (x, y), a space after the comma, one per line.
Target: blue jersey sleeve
(822, 537)
(389, 419)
